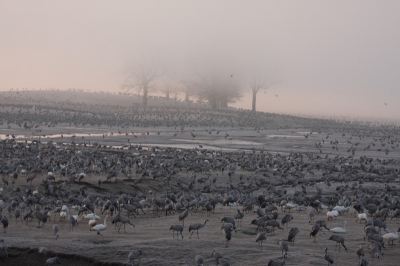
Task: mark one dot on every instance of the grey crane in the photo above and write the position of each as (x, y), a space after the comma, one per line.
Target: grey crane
(311, 215)
(4, 247)
(228, 226)
(292, 234)
(56, 229)
(183, 215)
(239, 216)
(178, 228)
(273, 224)
(228, 235)
(260, 238)
(322, 223)
(259, 212)
(375, 249)
(376, 238)
(4, 221)
(339, 241)
(134, 255)
(277, 263)
(216, 255)
(52, 261)
(284, 247)
(199, 260)
(260, 222)
(196, 227)
(286, 219)
(360, 252)
(223, 262)
(380, 225)
(364, 262)
(314, 231)
(125, 220)
(328, 257)
(229, 220)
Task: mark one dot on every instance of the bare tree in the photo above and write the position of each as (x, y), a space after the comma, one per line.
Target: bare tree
(141, 76)
(256, 83)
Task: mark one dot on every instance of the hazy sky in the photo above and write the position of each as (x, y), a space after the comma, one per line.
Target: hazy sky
(333, 58)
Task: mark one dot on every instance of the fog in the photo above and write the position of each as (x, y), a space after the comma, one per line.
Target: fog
(330, 58)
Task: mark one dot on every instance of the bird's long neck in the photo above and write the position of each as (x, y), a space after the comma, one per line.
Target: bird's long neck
(105, 221)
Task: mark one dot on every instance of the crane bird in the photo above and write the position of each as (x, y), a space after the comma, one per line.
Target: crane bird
(196, 227)
(339, 230)
(101, 227)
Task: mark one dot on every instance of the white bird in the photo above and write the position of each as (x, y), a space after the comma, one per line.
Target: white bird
(77, 218)
(390, 237)
(332, 214)
(91, 216)
(63, 215)
(35, 192)
(92, 223)
(339, 230)
(101, 227)
(361, 217)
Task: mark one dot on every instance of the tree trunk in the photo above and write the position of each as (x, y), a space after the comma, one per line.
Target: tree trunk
(213, 103)
(167, 93)
(145, 93)
(223, 104)
(186, 96)
(254, 101)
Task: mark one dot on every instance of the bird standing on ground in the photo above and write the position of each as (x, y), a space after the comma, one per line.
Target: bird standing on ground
(183, 216)
(284, 246)
(4, 247)
(360, 252)
(199, 260)
(196, 227)
(134, 255)
(328, 257)
(56, 229)
(101, 227)
(260, 238)
(339, 241)
(292, 234)
(228, 234)
(314, 231)
(178, 228)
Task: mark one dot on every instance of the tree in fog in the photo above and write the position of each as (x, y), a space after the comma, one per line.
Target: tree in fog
(256, 82)
(217, 89)
(141, 75)
(188, 89)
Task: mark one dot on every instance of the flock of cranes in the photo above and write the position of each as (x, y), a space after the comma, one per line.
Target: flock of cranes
(260, 200)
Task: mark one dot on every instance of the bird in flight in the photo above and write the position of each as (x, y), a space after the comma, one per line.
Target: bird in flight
(385, 103)
(231, 75)
(276, 95)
